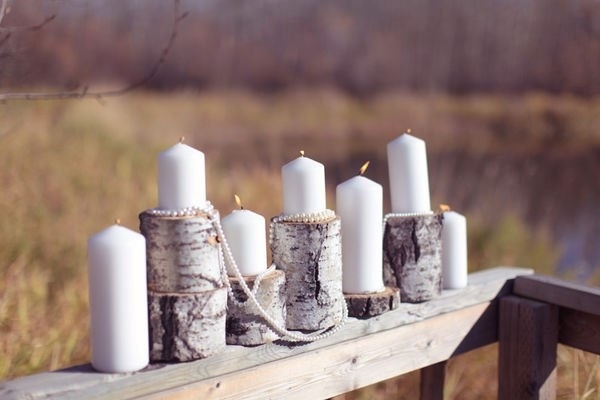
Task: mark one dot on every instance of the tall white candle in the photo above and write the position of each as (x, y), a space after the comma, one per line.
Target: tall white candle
(246, 235)
(409, 179)
(118, 300)
(303, 186)
(181, 178)
(359, 203)
(454, 250)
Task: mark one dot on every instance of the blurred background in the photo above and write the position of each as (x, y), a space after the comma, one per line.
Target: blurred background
(504, 92)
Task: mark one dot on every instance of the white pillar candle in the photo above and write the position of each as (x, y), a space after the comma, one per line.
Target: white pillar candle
(359, 203)
(181, 178)
(409, 180)
(303, 186)
(454, 250)
(118, 300)
(246, 235)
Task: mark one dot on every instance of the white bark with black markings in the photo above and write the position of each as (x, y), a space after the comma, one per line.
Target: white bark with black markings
(245, 325)
(412, 256)
(182, 253)
(187, 296)
(310, 254)
(187, 326)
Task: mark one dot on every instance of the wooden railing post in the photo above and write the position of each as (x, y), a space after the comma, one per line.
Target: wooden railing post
(432, 381)
(528, 336)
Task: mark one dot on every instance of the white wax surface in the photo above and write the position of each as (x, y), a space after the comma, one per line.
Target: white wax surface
(359, 203)
(303, 186)
(181, 178)
(118, 300)
(245, 233)
(409, 180)
(454, 250)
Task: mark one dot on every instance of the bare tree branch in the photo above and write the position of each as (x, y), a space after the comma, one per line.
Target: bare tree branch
(84, 92)
(36, 27)
(3, 9)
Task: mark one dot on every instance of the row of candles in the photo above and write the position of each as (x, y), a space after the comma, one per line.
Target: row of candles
(117, 259)
(359, 204)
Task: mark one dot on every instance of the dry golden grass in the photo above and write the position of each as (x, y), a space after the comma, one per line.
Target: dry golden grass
(69, 168)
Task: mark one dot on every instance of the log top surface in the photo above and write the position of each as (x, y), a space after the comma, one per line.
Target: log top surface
(159, 379)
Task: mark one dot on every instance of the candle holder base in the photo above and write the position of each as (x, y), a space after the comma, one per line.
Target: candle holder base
(364, 306)
(412, 256)
(310, 254)
(186, 326)
(245, 326)
(187, 292)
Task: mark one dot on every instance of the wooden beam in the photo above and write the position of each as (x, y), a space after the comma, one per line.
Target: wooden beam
(580, 330)
(528, 336)
(432, 381)
(362, 353)
(557, 291)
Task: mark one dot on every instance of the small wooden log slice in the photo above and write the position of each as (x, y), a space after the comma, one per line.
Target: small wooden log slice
(310, 254)
(245, 326)
(412, 256)
(183, 254)
(372, 304)
(186, 326)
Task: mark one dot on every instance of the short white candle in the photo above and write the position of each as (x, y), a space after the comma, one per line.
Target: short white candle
(181, 178)
(359, 203)
(118, 300)
(246, 235)
(409, 180)
(454, 250)
(303, 186)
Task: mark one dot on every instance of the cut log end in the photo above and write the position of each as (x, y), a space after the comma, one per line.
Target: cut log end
(369, 305)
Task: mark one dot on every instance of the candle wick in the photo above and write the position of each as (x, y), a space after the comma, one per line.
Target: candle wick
(408, 130)
(301, 153)
(181, 139)
(117, 221)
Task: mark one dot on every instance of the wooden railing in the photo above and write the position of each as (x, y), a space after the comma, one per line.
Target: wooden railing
(527, 314)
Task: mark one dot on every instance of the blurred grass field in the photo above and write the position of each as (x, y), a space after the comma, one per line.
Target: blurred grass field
(70, 168)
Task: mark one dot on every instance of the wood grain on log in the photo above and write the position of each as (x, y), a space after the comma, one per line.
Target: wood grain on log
(310, 254)
(412, 259)
(372, 304)
(245, 326)
(186, 326)
(183, 254)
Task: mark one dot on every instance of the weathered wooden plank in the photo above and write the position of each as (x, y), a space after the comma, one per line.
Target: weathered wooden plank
(557, 291)
(345, 367)
(432, 381)
(579, 329)
(364, 352)
(528, 335)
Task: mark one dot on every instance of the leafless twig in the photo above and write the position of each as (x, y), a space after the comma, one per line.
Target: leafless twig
(3, 9)
(84, 92)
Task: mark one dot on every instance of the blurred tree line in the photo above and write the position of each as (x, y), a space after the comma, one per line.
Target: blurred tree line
(360, 46)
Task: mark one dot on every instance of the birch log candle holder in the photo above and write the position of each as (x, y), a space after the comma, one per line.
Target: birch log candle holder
(245, 324)
(308, 249)
(412, 249)
(187, 293)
